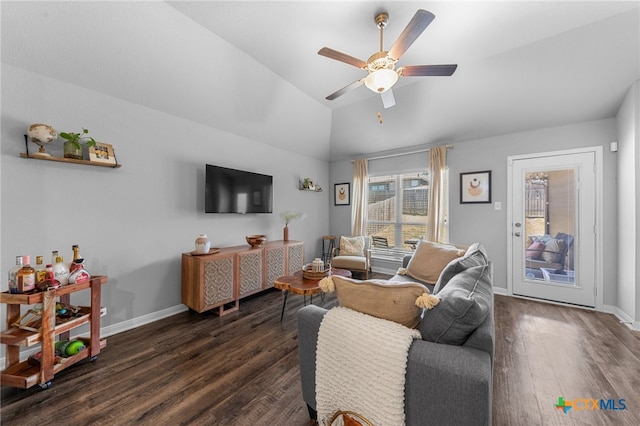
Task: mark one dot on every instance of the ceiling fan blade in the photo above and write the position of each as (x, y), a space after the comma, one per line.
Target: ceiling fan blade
(342, 57)
(388, 100)
(414, 28)
(345, 89)
(427, 70)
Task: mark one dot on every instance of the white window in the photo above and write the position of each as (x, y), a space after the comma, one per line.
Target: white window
(397, 210)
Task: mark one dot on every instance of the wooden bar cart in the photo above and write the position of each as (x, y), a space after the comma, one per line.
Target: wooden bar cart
(23, 374)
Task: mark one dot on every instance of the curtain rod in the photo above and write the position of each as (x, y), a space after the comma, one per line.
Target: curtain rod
(402, 153)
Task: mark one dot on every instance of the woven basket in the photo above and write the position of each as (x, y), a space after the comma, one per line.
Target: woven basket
(311, 275)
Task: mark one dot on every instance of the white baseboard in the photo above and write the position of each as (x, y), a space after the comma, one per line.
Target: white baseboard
(138, 321)
(120, 327)
(622, 316)
(501, 291)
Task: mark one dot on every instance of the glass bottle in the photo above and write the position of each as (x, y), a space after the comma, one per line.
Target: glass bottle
(26, 276)
(76, 252)
(77, 262)
(49, 281)
(54, 256)
(41, 272)
(61, 271)
(13, 275)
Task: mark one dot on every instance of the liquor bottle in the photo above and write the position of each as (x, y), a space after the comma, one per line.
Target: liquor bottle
(13, 275)
(54, 256)
(49, 281)
(77, 262)
(60, 271)
(26, 276)
(41, 272)
(76, 252)
(65, 348)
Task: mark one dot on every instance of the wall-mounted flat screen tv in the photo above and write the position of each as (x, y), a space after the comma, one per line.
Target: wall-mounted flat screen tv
(237, 191)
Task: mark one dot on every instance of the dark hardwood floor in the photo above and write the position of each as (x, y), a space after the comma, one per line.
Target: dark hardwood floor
(242, 369)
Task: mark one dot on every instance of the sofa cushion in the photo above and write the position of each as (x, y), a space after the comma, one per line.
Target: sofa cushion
(534, 250)
(464, 304)
(429, 260)
(349, 262)
(474, 256)
(380, 298)
(351, 246)
(554, 250)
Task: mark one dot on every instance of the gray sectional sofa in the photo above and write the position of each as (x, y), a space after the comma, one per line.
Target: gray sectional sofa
(449, 375)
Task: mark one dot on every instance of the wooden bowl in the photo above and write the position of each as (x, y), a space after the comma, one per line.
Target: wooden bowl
(256, 240)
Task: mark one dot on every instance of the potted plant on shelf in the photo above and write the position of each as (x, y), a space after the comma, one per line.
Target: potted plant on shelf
(307, 183)
(73, 145)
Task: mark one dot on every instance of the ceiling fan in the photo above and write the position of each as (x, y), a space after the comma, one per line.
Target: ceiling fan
(380, 66)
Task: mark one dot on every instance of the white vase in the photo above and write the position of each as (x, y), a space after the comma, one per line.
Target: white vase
(202, 244)
(317, 265)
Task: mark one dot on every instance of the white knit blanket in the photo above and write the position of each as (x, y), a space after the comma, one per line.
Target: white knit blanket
(360, 366)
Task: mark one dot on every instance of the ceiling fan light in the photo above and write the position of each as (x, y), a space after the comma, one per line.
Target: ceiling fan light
(381, 80)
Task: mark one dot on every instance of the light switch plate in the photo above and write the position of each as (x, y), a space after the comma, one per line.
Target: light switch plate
(497, 205)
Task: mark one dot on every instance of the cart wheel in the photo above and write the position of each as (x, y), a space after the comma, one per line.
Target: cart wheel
(45, 386)
(94, 358)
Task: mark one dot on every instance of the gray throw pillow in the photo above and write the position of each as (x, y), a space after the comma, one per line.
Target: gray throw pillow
(475, 256)
(464, 304)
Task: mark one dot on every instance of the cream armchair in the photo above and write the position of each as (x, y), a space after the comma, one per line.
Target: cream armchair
(353, 254)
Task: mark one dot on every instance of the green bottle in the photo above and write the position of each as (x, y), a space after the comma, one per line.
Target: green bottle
(66, 348)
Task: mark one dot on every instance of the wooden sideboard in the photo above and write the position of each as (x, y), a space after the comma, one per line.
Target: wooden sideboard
(220, 280)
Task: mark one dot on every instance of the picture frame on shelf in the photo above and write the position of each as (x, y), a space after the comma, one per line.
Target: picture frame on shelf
(475, 187)
(102, 153)
(342, 194)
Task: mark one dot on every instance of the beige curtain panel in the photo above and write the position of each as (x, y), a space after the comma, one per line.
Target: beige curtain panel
(436, 223)
(358, 210)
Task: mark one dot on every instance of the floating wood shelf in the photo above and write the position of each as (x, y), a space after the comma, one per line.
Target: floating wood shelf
(69, 160)
(312, 188)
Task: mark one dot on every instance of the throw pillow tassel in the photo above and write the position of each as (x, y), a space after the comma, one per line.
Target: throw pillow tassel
(427, 301)
(326, 284)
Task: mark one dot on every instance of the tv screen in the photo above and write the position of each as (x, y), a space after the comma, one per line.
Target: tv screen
(237, 191)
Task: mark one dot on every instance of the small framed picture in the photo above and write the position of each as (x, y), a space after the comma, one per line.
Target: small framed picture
(102, 153)
(475, 187)
(341, 194)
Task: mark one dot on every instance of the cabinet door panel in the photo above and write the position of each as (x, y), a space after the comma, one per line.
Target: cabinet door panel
(250, 273)
(275, 265)
(218, 281)
(296, 258)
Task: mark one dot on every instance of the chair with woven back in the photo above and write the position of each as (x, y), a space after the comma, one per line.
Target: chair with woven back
(353, 254)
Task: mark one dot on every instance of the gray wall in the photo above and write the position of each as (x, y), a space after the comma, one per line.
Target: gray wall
(133, 223)
(480, 222)
(628, 120)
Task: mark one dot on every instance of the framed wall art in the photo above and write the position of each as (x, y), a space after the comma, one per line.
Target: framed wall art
(475, 187)
(341, 195)
(102, 153)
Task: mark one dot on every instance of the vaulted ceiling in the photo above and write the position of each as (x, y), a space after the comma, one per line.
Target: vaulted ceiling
(521, 65)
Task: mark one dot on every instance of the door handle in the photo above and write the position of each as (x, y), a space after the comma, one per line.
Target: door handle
(517, 234)
(518, 225)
